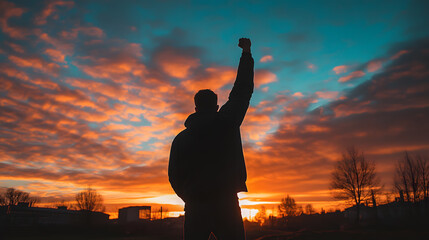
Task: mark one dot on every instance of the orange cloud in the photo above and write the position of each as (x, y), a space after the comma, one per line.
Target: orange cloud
(351, 76)
(56, 55)
(327, 94)
(49, 10)
(315, 128)
(68, 35)
(266, 58)
(76, 98)
(119, 71)
(213, 78)
(36, 63)
(340, 69)
(57, 44)
(150, 104)
(263, 77)
(113, 91)
(16, 47)
(90, 31)
(45, 83)
(399, 54)
(13, 72)
(257, 124)
(118, 61)
(298, 95)
(176, 64)
(374, 65)
(8, 10)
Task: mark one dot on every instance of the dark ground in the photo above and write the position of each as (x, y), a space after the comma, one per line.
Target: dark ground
(255, 233)
(351, 235)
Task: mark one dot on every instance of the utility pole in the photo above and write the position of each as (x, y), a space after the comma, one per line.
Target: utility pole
(374, 203)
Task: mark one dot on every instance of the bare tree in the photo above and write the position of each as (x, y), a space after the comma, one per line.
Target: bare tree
(402, 180)
(261, 216)
(353, 178)
(32, 201)
(13, 196)
(89, 200)
(423, 165)
(309, 209)
(287, 207)
(412, 177)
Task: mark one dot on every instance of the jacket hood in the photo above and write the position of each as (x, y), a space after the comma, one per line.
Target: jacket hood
(200, 120)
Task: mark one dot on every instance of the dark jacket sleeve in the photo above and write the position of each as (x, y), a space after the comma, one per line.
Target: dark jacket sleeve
(238, 102)
(175, 170)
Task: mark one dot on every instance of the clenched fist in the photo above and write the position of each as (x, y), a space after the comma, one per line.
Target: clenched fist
(245, 44)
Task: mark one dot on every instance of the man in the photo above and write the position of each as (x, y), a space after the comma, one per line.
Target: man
(206, 168)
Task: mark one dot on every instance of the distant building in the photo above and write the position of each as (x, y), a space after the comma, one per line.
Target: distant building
(134, 214)
(23, 215)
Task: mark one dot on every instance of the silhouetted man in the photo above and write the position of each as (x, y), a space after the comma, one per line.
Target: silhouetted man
(207, 167)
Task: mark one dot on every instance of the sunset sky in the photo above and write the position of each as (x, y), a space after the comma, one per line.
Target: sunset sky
(93, 92)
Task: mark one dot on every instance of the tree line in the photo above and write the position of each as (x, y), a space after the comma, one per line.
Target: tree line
(412, 177)
(288, 207)
(354, 178)
(87, 200)
(355, 181)
(13, 196)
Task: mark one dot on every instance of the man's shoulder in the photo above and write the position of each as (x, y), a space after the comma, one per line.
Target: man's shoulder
(181, 135)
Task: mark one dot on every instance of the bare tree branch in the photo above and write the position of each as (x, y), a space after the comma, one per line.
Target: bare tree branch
(89, 200)
(13, 196)
(287, 207)
(354, 177)
(412, 177)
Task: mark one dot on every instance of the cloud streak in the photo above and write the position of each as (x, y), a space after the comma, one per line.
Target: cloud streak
(351, 76)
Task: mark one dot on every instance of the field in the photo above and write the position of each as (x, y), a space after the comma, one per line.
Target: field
(251, 233)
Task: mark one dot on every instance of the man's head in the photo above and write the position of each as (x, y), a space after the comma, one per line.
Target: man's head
(206, 101)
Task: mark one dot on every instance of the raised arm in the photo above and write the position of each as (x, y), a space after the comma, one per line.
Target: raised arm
(239, 98)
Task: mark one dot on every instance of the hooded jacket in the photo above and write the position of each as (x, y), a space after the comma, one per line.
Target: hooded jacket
(206, 159)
